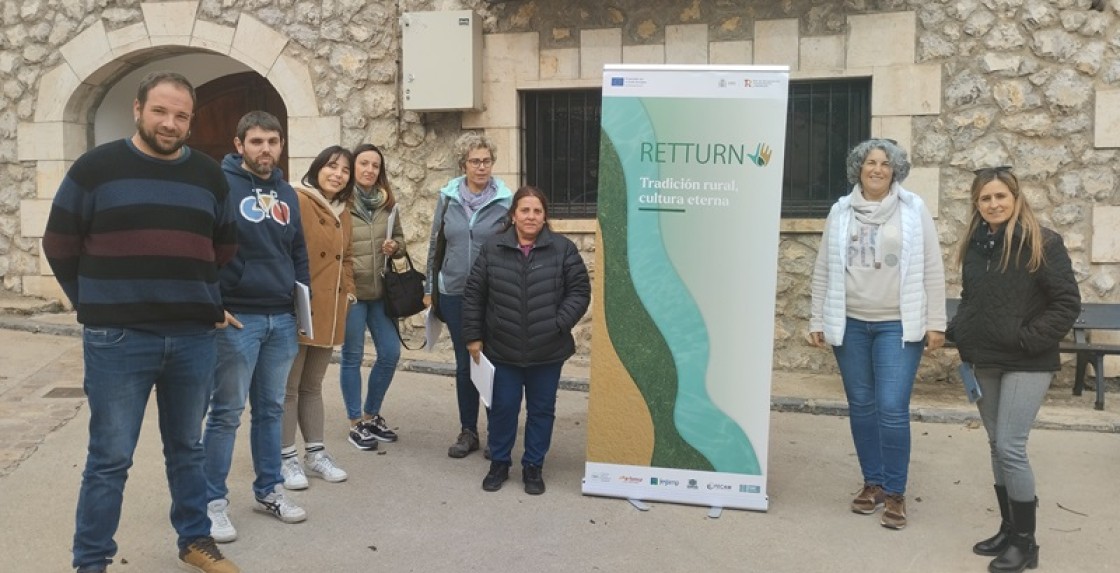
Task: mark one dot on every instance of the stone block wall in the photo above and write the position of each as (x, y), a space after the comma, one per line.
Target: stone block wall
(960, 83)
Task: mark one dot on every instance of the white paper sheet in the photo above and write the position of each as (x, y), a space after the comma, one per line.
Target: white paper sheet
(482, 374)
(433, 328)
(303, 310)
(392, 220)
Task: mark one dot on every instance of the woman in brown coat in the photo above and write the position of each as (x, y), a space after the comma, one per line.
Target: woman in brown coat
(324, 203)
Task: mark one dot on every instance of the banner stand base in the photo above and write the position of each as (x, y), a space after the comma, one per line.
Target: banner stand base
(638, 504)
(714, 512)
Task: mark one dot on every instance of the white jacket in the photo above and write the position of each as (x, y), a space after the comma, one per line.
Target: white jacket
(921, 290)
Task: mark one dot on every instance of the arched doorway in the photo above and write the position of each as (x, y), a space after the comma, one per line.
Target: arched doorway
(68, 102)
(221, 102)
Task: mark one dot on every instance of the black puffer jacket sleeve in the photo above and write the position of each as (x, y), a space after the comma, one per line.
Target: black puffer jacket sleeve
(1060, 299)
(476, 294)
(577, 289)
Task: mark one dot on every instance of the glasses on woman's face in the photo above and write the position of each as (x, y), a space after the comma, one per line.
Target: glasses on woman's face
(992, 170)
(476, 163)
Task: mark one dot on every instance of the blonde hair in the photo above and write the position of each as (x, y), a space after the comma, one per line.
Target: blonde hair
(1022, 217)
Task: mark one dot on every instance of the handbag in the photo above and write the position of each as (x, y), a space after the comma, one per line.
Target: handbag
(404, 289)
(437, 264)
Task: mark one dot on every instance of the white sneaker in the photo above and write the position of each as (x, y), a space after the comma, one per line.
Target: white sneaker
(320, 464)
(292, 472)
(221, 528)
(280, 507)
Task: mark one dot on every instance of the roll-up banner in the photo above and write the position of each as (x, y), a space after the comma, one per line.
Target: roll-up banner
(690, 187)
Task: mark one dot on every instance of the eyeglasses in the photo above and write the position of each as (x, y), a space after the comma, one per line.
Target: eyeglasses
(476, 163)
(992, 170)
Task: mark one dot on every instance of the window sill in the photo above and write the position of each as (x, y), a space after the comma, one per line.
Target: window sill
(803, 226)
(572, 226)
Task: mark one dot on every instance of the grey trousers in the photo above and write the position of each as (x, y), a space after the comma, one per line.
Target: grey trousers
(1009, 405)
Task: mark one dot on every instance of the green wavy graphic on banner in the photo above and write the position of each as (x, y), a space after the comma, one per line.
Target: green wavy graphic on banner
(637, 341)
(666, 302)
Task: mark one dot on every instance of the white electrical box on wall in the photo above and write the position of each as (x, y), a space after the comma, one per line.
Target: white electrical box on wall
(441, 60)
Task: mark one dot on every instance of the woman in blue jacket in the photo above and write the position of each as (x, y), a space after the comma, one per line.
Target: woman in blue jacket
(526, 292)
(471, 208)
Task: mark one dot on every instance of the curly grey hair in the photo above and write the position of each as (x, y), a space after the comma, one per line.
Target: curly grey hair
(471, 141)
(896, 157)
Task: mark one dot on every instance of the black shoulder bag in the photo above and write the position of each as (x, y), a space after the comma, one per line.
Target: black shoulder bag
(404, 289)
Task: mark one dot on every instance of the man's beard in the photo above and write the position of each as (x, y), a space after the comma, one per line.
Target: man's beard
(149, 137)
(257, 168)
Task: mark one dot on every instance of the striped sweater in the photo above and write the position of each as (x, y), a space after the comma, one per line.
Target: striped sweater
(136, 241)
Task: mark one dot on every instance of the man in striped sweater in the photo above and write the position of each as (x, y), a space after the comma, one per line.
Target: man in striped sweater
(135, 237)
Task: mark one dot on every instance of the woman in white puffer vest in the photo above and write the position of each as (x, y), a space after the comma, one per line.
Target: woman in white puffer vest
(878, 300)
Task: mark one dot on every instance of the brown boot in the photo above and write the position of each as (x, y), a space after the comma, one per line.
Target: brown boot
(894, 516)
(869, 499)
(203, 555)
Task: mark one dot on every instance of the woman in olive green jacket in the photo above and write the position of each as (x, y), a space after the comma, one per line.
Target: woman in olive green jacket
(370, 212)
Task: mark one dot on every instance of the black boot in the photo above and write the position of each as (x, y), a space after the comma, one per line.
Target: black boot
(1022, 551)
(995, 544)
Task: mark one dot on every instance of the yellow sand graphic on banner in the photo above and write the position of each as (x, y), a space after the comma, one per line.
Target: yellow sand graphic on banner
(623, 432)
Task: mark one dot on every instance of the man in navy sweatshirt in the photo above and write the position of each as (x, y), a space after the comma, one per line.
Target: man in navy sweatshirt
(258, 292)
(135, 237)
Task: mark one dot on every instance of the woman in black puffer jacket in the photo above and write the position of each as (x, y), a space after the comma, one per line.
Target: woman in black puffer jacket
(527, 290)
(1019, 299)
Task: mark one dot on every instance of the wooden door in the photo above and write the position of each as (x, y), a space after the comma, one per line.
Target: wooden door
(222, 102)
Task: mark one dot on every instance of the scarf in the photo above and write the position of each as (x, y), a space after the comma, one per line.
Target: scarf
(472, 202)
(367, 202)
(873, 214)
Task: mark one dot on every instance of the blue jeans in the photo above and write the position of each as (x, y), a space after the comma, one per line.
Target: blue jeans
(362, 315)
(253, 363)
(121, 367)
(452, 308)
(878, 372)
(540, 384)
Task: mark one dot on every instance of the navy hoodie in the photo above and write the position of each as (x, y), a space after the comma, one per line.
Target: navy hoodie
(271, 254)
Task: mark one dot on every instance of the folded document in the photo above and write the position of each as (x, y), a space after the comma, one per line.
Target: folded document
(482, 374)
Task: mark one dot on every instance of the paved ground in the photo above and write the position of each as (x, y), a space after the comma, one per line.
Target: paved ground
(411, 508)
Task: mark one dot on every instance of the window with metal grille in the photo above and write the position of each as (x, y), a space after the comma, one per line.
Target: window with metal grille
(560, 148)
(824, 120)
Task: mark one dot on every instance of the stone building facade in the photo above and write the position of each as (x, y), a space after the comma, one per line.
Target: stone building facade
(959, 83)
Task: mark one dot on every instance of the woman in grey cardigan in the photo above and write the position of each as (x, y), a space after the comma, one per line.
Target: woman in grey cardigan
(471, 208)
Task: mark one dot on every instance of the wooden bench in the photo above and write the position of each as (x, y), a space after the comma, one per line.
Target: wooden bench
(1094, 316)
